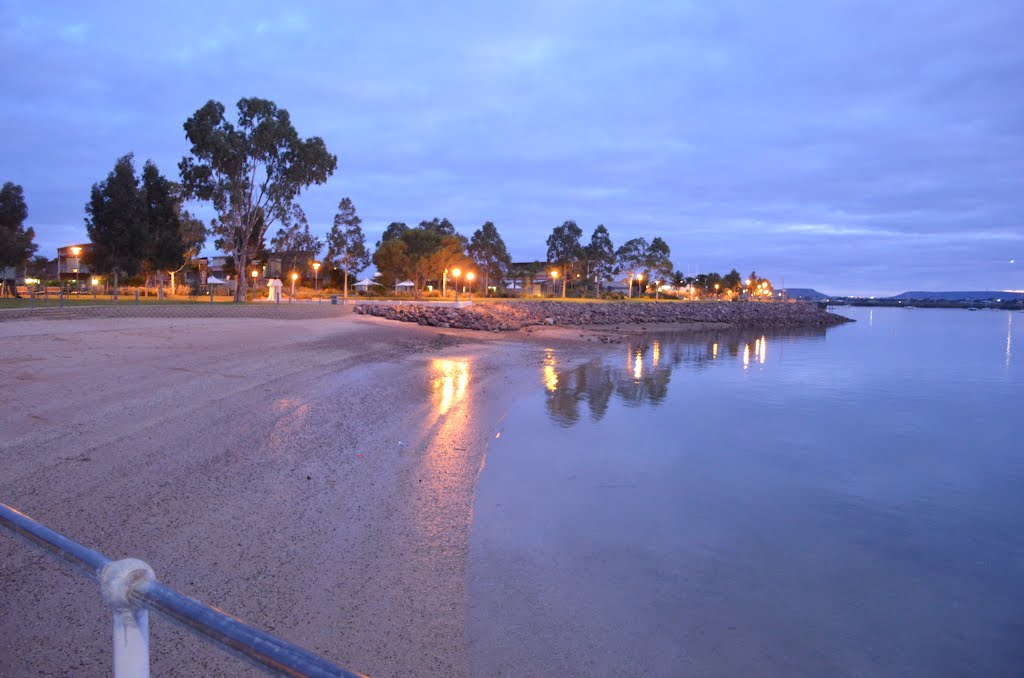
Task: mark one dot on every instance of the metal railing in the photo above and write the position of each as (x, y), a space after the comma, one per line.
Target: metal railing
(130, 588)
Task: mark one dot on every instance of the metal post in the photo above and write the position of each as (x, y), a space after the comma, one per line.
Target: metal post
(131, 622)
(136, 296)
(62, 296)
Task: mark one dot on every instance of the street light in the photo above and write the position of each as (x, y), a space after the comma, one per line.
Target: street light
(316, 276)
(554, 274)
(255, 274)
(456, 272)
(639, 281)
(716, 290)
(469, 277)
(95, 282)
(295, 276)
(76, 251)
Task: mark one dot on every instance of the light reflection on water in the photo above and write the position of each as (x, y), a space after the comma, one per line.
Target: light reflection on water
(649, 366)
(449, 383)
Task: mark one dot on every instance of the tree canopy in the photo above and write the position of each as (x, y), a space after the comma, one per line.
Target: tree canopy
(488, 252)
(16, 241)
(254, 168)
(116, 220)
(564, 248)
(346, 243)
(658, 262)
(294, 242)
(600, 256)
(632, 258)
(394, 231)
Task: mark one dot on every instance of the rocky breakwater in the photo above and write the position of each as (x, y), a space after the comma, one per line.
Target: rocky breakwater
(506, 316)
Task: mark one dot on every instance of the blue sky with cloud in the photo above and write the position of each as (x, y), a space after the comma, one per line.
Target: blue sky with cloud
(862, 146)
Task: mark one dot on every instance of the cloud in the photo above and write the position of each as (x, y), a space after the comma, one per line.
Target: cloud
(837, 144)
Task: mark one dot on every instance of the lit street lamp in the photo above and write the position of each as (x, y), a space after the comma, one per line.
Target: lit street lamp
(316, 276)
(469, 277)
(76, 251)
(255, 274)
(554, 274)
(295, 276)
(716, 290)
(639, 281)
(456, 273)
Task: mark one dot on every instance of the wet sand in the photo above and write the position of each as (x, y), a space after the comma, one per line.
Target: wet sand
(315, 478)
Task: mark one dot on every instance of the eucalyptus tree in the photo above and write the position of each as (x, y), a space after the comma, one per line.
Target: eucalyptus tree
(294, 242)
(346, 243)
(658, 262)
(488, 252)
(116, 216)
(391, 260)
(16, 241)
(167, 244)
(394, 231)
(632, 259)
(251, 171)
(600, 256)
(564, 248)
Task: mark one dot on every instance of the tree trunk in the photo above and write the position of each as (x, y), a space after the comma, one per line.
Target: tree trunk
(242, 278)
(115, 286)
(629, 295)
(564, 281)
(172, 282)
(344, 268)
(160, 285)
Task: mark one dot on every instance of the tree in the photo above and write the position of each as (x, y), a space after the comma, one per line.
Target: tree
(488, 252)
(600, 256)
(437, 226)
(732, 281)
(294, 243)
(251, 172)
(116, 222)
(394, 231)
(346, 243)
(632, 258)
(564, 248)
(391, 260)
(193, 237)
(16, 246)
(163, 223)
(658, 262)
(430, 254)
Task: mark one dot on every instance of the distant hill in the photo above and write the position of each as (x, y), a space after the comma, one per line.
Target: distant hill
(804, 293)
(959, 296)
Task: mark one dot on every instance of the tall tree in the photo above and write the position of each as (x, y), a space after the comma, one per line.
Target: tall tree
(391, 260)
(658, 260)
(163, 223)
(733, 281)
(255, 167)
(116, 222)
(632, 258)
(294, 243)
(193, 237)
(600, 256)
(488, 252)
(346, 244)
(437, 226)
(430, 255)
(394, 231)
(564, 248)
(16, 246)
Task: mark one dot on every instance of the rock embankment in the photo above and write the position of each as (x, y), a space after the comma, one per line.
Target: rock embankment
(506, 316)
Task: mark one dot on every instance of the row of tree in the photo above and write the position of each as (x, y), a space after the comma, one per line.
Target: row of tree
(252, 171)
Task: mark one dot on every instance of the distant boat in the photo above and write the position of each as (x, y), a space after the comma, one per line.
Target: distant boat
(972, 308)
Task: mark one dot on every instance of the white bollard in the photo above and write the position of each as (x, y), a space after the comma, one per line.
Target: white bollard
(131, 623)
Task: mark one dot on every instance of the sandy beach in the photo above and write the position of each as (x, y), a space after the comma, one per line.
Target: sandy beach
(312, 477)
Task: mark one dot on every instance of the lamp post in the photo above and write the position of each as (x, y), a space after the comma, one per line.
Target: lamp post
(554, 274)
(469, 277)
(255, 274)
(95, 282)
(657, 289)
(76, 251)
(639, 283)
(456, 273)
(316, 276)
(716, 290)
(295, 276)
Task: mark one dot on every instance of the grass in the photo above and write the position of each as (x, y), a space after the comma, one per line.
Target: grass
(105, 300)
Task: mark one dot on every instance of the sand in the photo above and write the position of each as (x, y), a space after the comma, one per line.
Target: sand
(313, 477)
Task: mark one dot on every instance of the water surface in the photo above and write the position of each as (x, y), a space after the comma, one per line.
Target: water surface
(842, 502)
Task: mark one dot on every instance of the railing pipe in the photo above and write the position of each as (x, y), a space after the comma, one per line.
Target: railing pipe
(130, 588)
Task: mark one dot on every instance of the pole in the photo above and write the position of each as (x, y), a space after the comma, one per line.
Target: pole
(131, 621)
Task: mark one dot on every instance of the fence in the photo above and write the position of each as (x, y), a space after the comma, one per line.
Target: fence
(131, 590)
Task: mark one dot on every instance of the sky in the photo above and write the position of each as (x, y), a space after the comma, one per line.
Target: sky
(858, 147)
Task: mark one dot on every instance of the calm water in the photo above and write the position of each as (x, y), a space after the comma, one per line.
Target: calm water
(846, 502)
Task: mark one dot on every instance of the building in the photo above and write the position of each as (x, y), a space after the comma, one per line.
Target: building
(71, 264)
